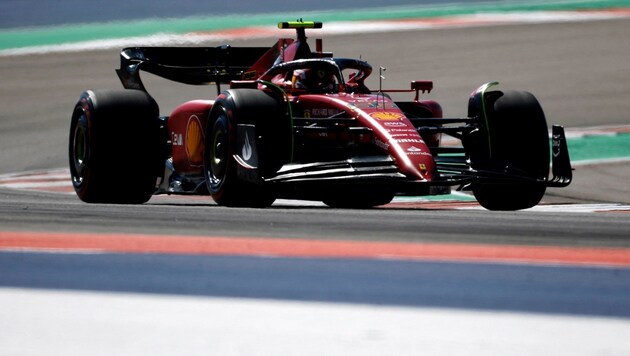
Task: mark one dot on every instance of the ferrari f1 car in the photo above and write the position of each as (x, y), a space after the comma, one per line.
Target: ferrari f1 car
(302, 124)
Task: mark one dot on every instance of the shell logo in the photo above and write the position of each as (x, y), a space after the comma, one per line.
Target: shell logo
(386, 115)
(194, 141)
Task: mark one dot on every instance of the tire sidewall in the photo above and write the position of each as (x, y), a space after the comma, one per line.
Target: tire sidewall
(80, 172)
(218, 182)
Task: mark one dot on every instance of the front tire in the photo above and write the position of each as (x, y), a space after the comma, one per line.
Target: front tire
(220, 166)
(517, 138)
(115, 152)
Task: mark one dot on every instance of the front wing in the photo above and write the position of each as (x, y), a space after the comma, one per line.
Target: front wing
(382, 171)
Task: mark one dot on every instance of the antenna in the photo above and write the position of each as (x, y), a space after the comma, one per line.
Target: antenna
(380, 84)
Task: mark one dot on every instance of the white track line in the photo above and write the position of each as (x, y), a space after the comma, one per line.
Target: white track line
(38, 322)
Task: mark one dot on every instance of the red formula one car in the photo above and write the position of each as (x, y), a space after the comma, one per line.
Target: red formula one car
(301, 124)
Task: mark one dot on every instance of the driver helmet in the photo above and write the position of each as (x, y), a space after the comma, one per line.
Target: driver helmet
(313, 79)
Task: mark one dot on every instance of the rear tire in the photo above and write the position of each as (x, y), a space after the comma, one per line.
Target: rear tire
(115, 150)
(518, 139)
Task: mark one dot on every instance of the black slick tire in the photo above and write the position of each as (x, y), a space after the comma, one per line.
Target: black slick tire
(115, 149)
(517, 138)
(233, 107)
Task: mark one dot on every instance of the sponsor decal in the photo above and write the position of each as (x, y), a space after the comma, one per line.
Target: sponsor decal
(246, 141)
(320, 112)
(409, 140)
(176, 139)
(247, 148)
(386, 115)
(400, 132)
(194, 141)
(415, 151)
(325, 112)
(395, 123)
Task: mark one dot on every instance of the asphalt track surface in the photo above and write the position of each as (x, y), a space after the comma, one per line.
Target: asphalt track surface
(579, 72)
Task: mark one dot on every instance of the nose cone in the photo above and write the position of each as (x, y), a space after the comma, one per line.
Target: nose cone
(395, 133)
(414, 158)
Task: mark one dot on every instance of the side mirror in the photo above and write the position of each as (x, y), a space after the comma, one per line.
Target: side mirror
(424, 85)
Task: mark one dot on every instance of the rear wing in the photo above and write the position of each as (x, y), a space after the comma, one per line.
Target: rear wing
(189, 65)
(219, 65)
